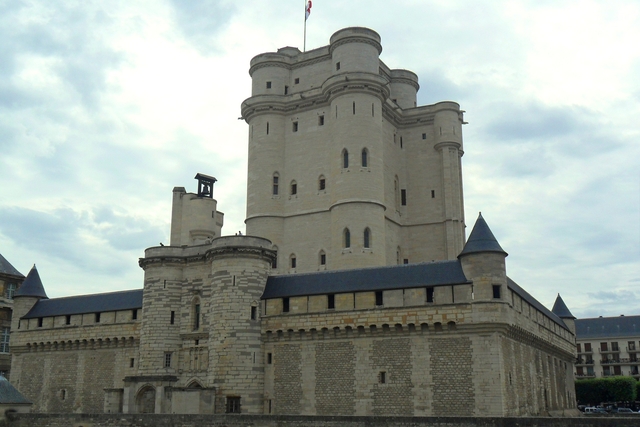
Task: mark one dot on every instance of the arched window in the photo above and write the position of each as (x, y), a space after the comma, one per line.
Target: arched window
(292, 261)
(196, 315)
(345, 158)
(367, 238)
(322, 258)
(276, 179)
(346, 238)
(322, 183)
(294, 188)
(365, 158)
(396, 192)
(274, 262)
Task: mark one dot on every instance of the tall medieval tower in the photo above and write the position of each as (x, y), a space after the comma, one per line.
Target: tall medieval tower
(345, 171)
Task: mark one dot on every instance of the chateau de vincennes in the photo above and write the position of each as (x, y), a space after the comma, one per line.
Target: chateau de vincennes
(353, 291)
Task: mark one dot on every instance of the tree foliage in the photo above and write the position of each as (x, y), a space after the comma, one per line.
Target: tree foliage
(614, 389)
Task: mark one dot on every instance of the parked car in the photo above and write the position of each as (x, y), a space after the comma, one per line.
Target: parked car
(594, 410)
(624, 411)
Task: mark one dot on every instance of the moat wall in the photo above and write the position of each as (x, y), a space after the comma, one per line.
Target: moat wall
(168, 420)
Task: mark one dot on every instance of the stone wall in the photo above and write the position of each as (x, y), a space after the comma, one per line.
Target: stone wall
(172, 420)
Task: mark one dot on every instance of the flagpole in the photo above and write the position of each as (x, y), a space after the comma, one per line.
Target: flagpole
(304, 49)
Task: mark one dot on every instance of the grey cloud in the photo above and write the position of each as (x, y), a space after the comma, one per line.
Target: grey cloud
(201, 21)
(61, 234)
(533, 121)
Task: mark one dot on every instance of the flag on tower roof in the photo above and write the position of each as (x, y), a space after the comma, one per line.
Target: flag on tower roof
(307, 10)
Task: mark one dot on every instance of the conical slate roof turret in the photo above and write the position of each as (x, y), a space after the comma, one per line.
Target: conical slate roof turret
(560, 309)
(481, 239)
(9, 395)
(32, 286)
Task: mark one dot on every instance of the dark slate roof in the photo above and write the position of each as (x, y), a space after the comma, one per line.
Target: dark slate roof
(481, 239)
(608, 327)
(32, 286)
(7, 268)
(9, 394)
(113, 301)
(366, 279)
(534, 302)
(561, 310)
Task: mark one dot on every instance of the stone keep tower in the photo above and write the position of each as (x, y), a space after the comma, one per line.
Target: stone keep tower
(200, 345)
(345, 171)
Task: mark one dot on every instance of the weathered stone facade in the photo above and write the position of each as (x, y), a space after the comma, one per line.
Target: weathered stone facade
(215, 328)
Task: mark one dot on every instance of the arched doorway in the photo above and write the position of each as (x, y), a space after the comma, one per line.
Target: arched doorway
(146, 400)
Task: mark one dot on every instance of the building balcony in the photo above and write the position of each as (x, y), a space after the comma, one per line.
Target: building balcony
(581, 362)
(590, 351)
(632, 350)
(587, 375)
(622, 361)
(609, 351)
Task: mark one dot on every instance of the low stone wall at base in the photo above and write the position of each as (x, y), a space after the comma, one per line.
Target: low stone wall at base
(173, 420)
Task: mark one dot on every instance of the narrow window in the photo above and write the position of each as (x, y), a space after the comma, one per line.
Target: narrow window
(67, 319)
(382, 377)
(254, 313)
(320, 120)
(331, 301)
(336, 111)
(430, 294)
(268, 85)
(172, 319)
(196, 342)
(400, 142)
(233, 405)
(496, 291)
(294, 188)
(347, 238)
(269, 358)
(295, 126)
(297, 80)
(424, 136)
(322, 183)
(354, 107)
(379, 300)
(275, 184)
(63, 394)
(337, 66)
(97, 316)
(372, 111)
(433, 194)
(196, 317)
(396, 191)
(367, 238)
(167, 360)
(405, 261)
(323, 258)
(4, 341)
(39, 322)
(286, 90)
(269, 405)
(285, 304)
(403, 197)
(11, 290)
(293, 261)
(274, 262)
(365, 159)
(267, 128)
(132, 362)
(345, 158)
(134, 314)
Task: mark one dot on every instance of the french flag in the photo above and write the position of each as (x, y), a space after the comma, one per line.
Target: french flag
(307, 10)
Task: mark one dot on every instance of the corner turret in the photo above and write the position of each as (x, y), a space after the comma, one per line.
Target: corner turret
(561, 310)
(483, 262)
(27, 296)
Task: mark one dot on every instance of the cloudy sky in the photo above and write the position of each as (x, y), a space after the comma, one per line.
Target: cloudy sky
(105, 106)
